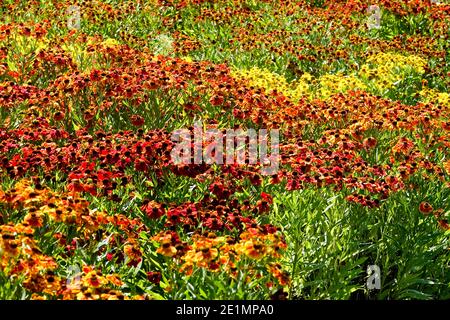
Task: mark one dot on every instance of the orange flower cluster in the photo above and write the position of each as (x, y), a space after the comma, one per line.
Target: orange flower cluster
(427, 209)
(20, 254)
(91, 284)
(39, 203)
(218, 253)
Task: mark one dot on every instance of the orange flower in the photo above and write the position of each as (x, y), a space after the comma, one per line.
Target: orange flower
(113, 279)
(444, 224)
(94, 279)
(201, 258)
(446, 126)
(253, 249)
(36, 296)
(370, 143)
(282, 276)
(166, 249)
(133, 252)
(34, 219)
(404, 145)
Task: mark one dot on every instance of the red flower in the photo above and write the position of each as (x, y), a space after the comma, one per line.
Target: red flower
(95, 75)
(446, 126)
(425, 208)
(91, 189)
(213, 223)
(174, 216)
(264, 204)
(279, 295)
(267, 197)
(153, 209)
(275, 179)
(219, 190)
(75, 186)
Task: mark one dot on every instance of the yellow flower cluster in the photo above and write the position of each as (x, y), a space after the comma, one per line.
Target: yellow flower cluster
(395, 60)
(434, 96)
(78, 53)
(302, 87)
(383, 70)
(263, 78)
(24, 46)
(331, 84)
(380, 72)
(85, 59)
(187, 59)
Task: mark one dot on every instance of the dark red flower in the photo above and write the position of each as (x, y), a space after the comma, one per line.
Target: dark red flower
(444, 224)
(58, 116)
(255, 179)
(140, 165)
(279, 295)
(154, 277)
(137, 120)
(219, 190)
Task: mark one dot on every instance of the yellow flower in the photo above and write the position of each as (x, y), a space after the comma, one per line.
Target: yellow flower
(109, 42)
(447, 166)
(187, 59)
